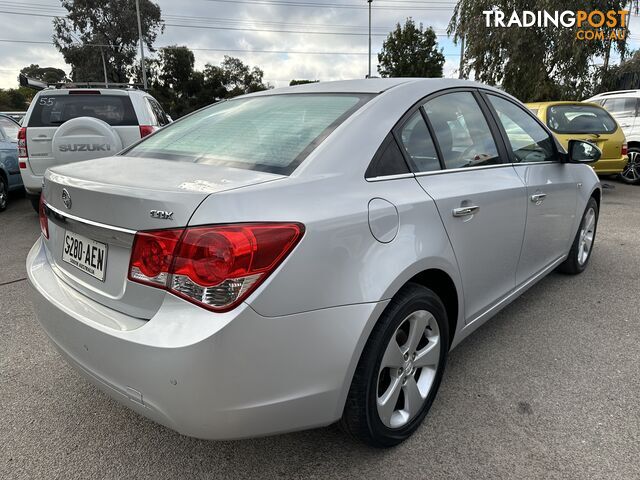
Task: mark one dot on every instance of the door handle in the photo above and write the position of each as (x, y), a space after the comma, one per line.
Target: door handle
(538, 198)
(465, 211)
(41, 139)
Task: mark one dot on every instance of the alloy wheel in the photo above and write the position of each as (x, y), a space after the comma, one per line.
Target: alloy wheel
(408, 369)
(587, 232)
(631, 172)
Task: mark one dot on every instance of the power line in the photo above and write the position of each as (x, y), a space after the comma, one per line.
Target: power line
(172, 47)
(349, 6)
(212, 27)
(197, 49)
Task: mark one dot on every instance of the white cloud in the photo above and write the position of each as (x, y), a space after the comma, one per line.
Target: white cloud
(278, 68)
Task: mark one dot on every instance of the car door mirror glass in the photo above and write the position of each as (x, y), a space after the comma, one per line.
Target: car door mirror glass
(583, 152)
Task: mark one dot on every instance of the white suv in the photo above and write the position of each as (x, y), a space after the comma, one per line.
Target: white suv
(624, 105)
(68, 125)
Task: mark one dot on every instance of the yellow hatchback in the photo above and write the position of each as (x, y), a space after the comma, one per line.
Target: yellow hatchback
(590, 122)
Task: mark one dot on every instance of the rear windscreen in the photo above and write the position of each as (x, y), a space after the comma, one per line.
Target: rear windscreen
(272, 133)
(580, 119)
(54, 110)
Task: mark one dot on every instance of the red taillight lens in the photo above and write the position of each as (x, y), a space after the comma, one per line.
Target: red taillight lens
(44, 221)
(22, 143)
(146, 130)
(152, 256)
(624, 150)
(215, 267)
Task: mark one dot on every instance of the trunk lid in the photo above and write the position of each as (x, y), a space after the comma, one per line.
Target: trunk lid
(103, 202)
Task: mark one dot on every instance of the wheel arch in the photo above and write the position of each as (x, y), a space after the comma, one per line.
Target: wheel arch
(597, 196)
(442, 285)
(633, 144)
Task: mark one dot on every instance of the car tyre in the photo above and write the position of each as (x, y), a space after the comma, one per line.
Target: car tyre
(4, 193)
(582, 246)
(631, 173)
(415, 322)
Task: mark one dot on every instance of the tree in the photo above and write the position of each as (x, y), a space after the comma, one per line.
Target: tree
(97, 29)
(44, 74)
(176, 68)
(531, 63)
(621, 77)
(410, 51)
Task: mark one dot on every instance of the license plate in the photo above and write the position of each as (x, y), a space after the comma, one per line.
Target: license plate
(85, 254)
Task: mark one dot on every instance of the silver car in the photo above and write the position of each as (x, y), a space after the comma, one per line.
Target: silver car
(307, 255)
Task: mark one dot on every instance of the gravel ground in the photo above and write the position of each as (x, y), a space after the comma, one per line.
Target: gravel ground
(549, 388)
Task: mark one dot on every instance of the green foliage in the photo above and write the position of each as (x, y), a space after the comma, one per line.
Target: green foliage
(15, 99)
(44, 74)
(181, 89)
(111, 23)
(301, 82)
(621, 77)
(410, 51)
(532, 63)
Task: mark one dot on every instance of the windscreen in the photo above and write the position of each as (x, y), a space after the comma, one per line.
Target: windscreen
(272, 133)
(54, 110)
(580, 119)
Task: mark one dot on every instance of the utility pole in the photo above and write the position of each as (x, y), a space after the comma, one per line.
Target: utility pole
(460, 74)
(104, 68)
(144, 71)
(369, 2)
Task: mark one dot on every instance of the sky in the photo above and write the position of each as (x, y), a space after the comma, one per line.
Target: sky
(325, 39)
(229, 27)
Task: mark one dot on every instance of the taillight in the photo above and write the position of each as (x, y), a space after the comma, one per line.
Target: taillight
(146, 130)
(624, 150)
(44, 221)
(22, 143)
(152, 256)
(215, 267)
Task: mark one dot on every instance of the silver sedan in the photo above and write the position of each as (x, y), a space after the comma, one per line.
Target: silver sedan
(306, 255)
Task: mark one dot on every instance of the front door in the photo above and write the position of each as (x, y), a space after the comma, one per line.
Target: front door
(551, 188)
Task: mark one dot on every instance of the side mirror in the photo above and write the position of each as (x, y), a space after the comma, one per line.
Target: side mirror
(583, 152)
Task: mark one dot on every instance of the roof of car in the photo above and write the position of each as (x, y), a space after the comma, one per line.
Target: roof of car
(103, 91)
(559, 102)
(618, 93)
(371, 85)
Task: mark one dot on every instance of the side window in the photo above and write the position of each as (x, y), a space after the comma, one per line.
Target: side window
(462, 131)
(157, 112)
(388, 161)
(418, 144)
(10, 128)
(529, 141)
(621, 107)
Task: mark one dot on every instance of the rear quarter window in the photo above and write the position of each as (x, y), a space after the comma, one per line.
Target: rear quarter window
(54, 110)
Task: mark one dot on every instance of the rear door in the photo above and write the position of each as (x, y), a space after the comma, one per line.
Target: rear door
(481, 200)
(551, 188)
(54, 108)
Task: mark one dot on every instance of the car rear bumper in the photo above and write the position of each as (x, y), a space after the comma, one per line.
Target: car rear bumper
(32, 182)
(215, 376)
(610, 166)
